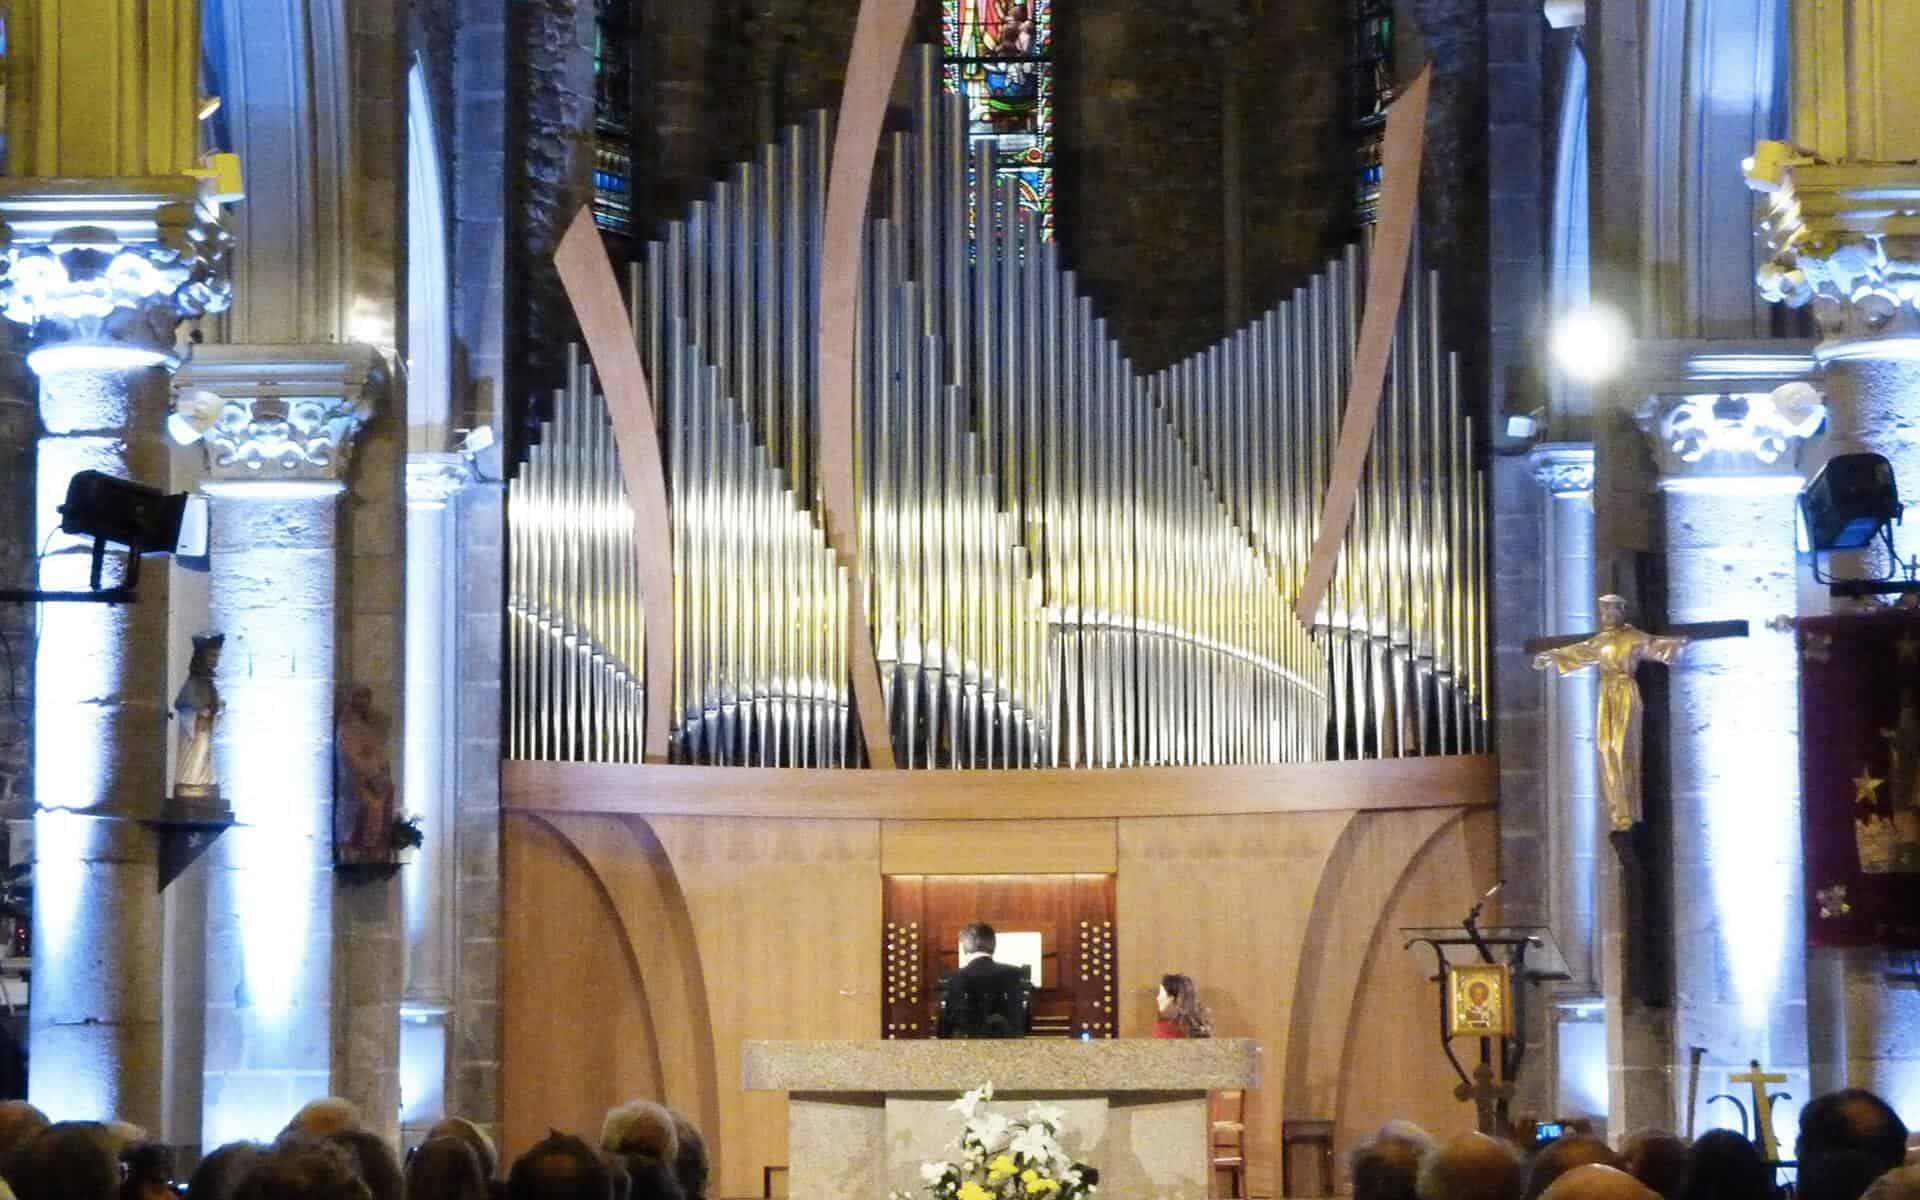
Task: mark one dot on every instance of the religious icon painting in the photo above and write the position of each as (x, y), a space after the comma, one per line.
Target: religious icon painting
(1479, 1000)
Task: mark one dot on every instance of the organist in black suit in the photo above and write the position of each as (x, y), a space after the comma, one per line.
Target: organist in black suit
(984, 998)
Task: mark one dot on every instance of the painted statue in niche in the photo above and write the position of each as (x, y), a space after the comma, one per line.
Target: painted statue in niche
(363, 790)
(1615, 652)
(197, 707)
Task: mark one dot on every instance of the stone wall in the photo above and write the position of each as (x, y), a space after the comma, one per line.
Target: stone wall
(19, 426)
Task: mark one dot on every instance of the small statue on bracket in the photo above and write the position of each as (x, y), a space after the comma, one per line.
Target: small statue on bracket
(363, 790)
(197, 706)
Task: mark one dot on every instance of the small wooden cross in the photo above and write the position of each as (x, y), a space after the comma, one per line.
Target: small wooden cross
(1762, 1106)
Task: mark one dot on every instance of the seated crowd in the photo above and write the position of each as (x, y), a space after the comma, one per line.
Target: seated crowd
(1851, 1145)
(647, 1151)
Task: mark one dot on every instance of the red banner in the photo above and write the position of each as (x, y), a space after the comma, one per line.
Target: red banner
(1860, 778)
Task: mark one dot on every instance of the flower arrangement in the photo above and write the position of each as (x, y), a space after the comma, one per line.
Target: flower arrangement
(1007, 1158)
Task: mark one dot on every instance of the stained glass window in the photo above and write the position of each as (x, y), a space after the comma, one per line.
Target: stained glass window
(612, 112)
(999, 57)
(1371, 66)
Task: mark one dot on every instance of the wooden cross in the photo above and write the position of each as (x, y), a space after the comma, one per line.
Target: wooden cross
(1697, 631)
(1762, 1106)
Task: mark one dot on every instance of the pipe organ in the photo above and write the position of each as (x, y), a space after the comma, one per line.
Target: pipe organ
(1066, 561)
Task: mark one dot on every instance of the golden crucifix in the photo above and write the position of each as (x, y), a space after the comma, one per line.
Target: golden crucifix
(1616, 652)
(1762, 1107)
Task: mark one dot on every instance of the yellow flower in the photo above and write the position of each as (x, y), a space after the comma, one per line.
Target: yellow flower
(1042, 1187)
(1028, 1177)
(1000, 1168)
(973, 1191)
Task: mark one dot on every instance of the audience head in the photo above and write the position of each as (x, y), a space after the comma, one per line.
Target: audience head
(219, 1174)
(19, 1121)
(70, 1160)
(690, 1165)
(1386, 1165)
(1472, 1166)
(323, 1118)
(1900, 1184)
(1726, 1166)
(147, 1172)
(299, 1168)
(1658, 1159)
(476, 1139)
(1558, 1157)
(1596, 1181)
(1852, 1119)
(1836, 1175)
(445, 1168)
(977, 938)
(373, 1162)
(562, 1167)
(641, 1130)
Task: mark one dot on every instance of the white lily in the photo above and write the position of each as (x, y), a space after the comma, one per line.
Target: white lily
(994, 1133)
(1033, 1145)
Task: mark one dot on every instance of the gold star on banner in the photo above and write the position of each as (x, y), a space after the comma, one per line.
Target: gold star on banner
(1866, 789)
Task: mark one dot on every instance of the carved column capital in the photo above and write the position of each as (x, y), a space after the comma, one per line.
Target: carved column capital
(434, 478)
(284, 414)
(1839, 239)
(101, 271)
(1704, 437)
(1563, 468)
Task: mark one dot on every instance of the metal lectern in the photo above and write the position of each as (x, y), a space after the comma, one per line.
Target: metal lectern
(1529, 957)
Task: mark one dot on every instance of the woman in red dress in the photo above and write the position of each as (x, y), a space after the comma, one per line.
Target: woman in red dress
(1182, 1015)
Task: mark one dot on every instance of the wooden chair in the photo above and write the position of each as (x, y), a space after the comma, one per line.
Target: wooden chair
(1311, 1133)
(1228, 1139)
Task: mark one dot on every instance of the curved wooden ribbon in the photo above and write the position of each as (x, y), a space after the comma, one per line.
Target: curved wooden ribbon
(879, 37)
(1386, 281)
(587, 275)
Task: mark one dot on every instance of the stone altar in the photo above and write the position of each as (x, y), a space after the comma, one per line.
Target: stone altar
(863, 1116)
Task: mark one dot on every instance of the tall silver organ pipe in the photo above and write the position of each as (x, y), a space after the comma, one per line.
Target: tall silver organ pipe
(1067, 562)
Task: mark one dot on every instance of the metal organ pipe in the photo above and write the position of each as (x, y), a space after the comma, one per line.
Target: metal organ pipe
(1069, 563)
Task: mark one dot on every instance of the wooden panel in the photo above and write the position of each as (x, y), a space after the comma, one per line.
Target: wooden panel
(998, 848)
(1363, 875)
(587, 274)
(1392, 1065)
(1225, 900)
(632, 868)
(1386, 278)
(787, 918)
(1009, 795)
(879, 35)
(565, 942)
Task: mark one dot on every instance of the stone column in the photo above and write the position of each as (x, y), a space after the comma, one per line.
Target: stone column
(100, 272)
(1839, 239)
(433, 482)
(1564, 471)
(276, 465)
(1728, 468)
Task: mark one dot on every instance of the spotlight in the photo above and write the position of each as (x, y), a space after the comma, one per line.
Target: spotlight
(144, 519)
(476, 441)
(1590, 344)
(120, 512)
(1848, 503)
